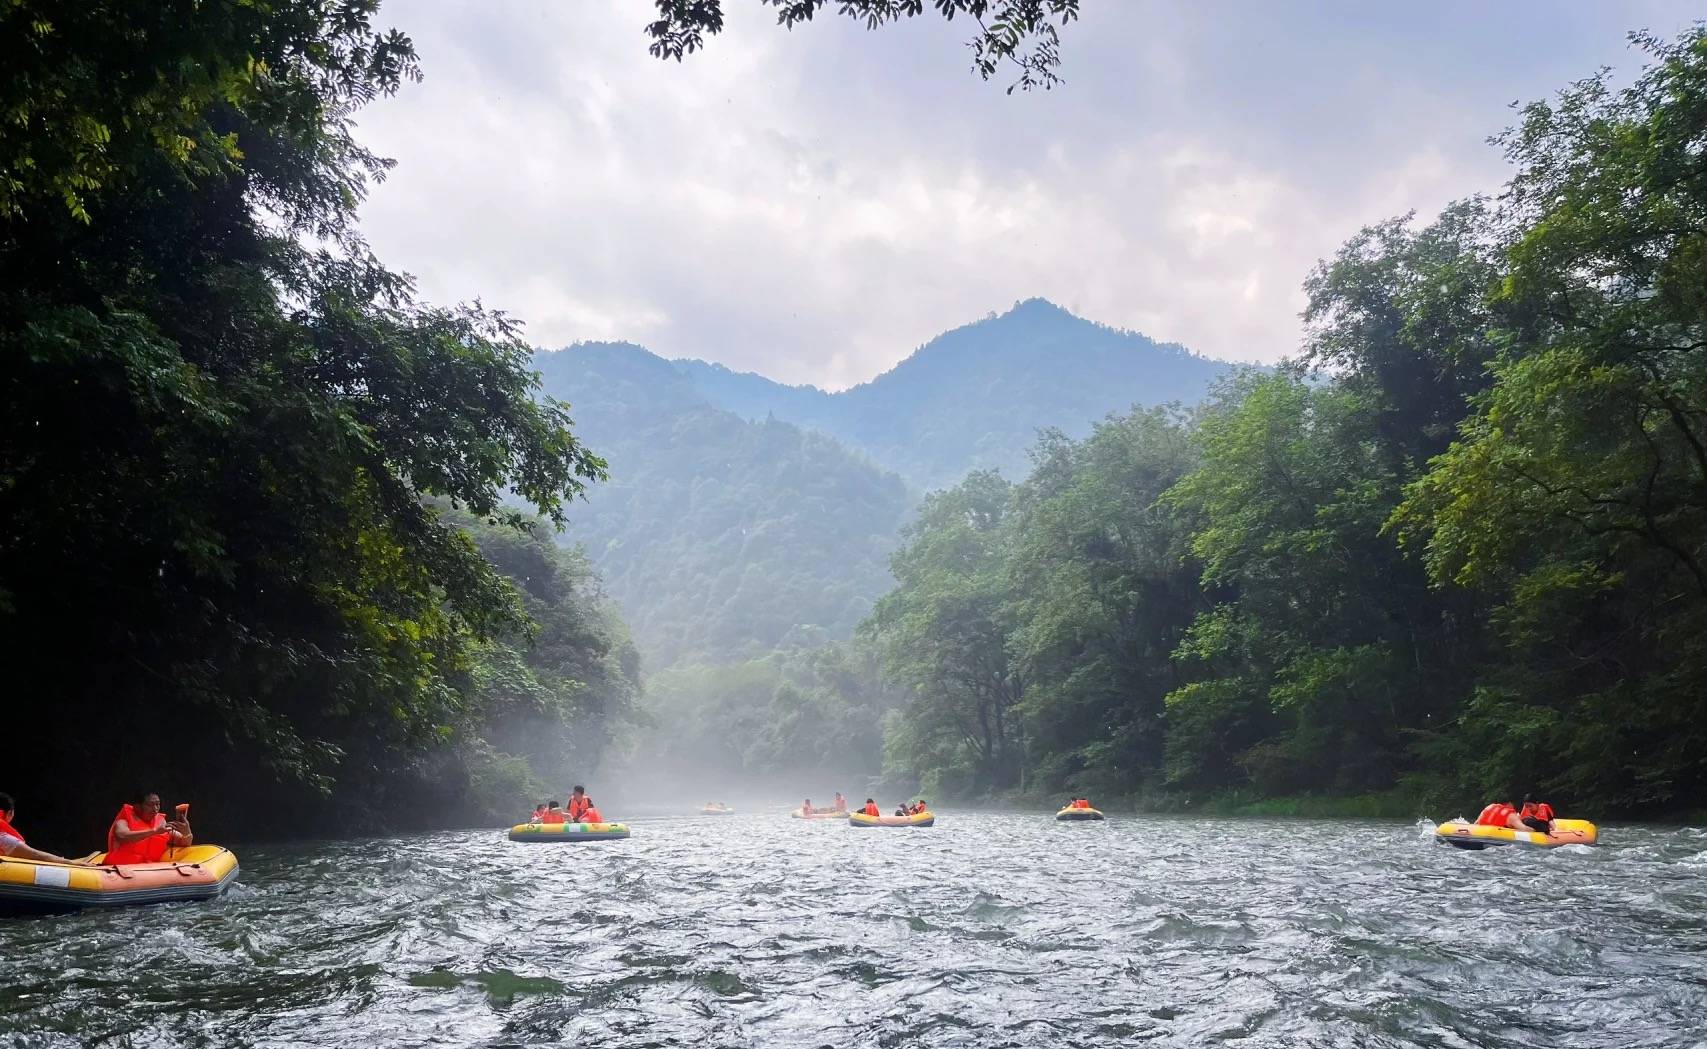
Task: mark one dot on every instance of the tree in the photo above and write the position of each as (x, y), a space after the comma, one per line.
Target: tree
(216, 439)
(1004, 27)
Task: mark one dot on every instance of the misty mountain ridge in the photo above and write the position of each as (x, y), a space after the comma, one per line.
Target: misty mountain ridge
(973, 398)
(744, 515)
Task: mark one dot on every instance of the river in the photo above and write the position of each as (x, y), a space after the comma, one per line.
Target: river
(990, 929)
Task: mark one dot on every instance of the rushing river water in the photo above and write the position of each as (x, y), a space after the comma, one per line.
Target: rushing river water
(987, 930)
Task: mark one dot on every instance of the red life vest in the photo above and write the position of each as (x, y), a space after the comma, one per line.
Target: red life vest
(146, 850)
(578, 809)
(871, 810)
(1081, 803)
(591, 815)
(552, 816)
(1538, 810)
(7, 828)
(1496, 815)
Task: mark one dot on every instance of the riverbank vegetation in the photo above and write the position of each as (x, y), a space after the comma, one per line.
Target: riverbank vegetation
(1453, 550)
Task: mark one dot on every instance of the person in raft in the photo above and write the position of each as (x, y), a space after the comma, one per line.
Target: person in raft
(553, 813)
(922, 806)
(806, 807)
(1501, 814)
(12, 843)
(538, 813)
(841, 804)
(578, 803)
(140, 833)
(871, 808)
(1536, 815)
(590, 814)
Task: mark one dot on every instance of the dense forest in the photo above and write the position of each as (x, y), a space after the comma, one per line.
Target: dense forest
(226, 435)
(1453, 550)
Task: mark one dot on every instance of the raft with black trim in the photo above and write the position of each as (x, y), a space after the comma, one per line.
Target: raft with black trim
(557, 833)
(1074, 814)
(820, 814)
(920, 819)
(196, 872)
(1462, 834)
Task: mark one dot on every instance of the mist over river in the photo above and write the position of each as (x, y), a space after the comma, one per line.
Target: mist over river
(990, 929)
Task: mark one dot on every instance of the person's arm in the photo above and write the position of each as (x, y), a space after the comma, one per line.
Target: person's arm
(24, 852)
(122, 831)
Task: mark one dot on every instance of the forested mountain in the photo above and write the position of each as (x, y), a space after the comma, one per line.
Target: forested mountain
(975, 398)
(722, 539)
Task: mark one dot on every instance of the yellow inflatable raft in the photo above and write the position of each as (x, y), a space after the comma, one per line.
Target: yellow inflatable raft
(1461, 833)
(198, 872)
(1077, 814)
(561, 832)
(716, 810)
(922, 819)
(820, 814)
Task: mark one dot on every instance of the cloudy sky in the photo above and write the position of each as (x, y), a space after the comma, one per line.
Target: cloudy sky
(814, 205)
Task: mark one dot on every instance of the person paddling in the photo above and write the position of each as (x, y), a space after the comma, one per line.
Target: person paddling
(12, 843)
(140, 833)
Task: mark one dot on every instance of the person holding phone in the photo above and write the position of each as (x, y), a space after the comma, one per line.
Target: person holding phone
(140, 833)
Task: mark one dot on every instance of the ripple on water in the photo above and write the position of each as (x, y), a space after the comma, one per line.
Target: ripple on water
(987, 930)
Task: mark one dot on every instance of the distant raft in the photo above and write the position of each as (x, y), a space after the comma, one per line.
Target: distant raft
(820, 814)
(1078, 814)
(920, 819)
(716, 810)
(1462, 834)
(557, 833)
(196, 872)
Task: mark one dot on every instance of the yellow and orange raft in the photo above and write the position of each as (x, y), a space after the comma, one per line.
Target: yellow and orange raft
(918, 819)
(1462, 834)
(820, 814)
(1078, 814)
(556, 833)
(196, 872)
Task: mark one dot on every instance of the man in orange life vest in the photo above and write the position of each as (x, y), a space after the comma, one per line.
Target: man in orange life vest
(553, 813)
(140, 832)
(578, 805)
(12, 843)
(590, 814)
(1500, 814)
(871, 808)
(1536, 815)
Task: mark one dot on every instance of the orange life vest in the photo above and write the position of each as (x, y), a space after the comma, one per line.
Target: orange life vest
(145, 850)
(578, 809)
(7, 828)
(871, 810)
(591, 815)
(1496, 815)
(1537, 810)
(1081, 803)
(806, 810)
(552, 816)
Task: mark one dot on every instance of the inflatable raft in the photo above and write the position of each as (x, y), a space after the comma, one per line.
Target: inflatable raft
(716, 810)
(820, 814)
(923, 819)
(555, 833)
(1462, 834)
(197, 872)
(1075, 814)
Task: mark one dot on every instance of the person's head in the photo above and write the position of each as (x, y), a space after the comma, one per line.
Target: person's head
(871, 801)
(552, 805)
(579, 791)
(808, 801)
(7, 807)
(1528, 800)
(923, 803)
(145, 805)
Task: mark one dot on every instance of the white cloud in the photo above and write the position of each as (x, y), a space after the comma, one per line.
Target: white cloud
(814, 205)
